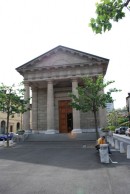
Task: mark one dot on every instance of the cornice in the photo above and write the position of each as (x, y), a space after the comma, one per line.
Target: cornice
(66, 66)
(93, 58)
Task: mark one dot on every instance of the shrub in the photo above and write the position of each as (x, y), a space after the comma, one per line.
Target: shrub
(111, 128)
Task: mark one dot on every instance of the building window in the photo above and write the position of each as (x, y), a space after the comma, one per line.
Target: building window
(17, 126)
(11, 128)
(3, 126)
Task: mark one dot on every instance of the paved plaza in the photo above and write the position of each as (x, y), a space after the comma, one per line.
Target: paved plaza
(61, 168)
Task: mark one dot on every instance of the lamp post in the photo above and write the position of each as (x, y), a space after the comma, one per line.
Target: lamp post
(128, 106)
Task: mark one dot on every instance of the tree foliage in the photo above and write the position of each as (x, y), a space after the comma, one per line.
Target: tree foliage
(108, 11)
(117, 118)
(91, 96)
(11, 102)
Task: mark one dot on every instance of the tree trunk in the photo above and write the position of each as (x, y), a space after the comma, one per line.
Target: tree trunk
(7, 128)
(96, 125)
(21, 127)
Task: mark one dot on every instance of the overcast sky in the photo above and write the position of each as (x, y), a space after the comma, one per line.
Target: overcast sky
(31, 27)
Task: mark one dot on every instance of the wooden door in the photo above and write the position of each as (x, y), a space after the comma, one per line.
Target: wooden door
(64, 110)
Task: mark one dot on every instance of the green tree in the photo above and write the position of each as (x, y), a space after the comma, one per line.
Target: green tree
(108, 11)
(112, 118)
(91, 96)
(11, 102)
(117, 118)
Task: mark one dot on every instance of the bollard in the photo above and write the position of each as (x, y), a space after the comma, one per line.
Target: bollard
(112, 142)
(1, 143)
(116, 144)
(128, 151)
(11, 142)
(108, 139)
(4, 142)
(104, 157)
(122, 150)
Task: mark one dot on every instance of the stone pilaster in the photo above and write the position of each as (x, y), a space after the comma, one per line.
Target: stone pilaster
(50, 108)
(76, 113)
(35, 109)
(26, 115)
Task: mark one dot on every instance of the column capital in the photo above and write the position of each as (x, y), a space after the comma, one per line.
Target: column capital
(50, 81)
(34, 88)
(74, 79)
(26, 83)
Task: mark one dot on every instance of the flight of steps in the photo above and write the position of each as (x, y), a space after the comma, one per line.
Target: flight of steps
(60, 137)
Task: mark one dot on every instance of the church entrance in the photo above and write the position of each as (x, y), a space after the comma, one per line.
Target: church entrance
(65, 116)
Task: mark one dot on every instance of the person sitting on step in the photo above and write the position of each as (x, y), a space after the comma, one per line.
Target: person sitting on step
(100, 141)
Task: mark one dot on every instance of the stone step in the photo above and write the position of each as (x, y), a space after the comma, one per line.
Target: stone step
(61, 137)
(57, 144)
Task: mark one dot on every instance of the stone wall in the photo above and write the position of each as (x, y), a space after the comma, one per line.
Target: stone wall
(87, 120)
(42, 109)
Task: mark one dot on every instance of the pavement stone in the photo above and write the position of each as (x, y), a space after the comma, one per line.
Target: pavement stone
(61, 168)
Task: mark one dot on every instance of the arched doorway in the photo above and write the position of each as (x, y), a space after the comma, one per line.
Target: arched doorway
(3, 126)
(11, 128)
(17, 126)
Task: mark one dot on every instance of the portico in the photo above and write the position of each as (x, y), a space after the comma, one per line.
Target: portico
(50, 77)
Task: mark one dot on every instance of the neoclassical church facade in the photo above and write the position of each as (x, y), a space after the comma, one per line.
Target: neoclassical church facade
(49, 78)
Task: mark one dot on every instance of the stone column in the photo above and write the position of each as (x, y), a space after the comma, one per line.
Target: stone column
(35, 109)
(76, 113)
(26, 115)
(50, 108)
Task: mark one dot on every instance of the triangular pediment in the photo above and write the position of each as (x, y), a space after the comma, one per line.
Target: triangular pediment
(62, 56)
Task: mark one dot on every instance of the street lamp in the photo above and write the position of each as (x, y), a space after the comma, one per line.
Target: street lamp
(128, 106)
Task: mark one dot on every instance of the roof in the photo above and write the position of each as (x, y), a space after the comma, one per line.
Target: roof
(64, 49)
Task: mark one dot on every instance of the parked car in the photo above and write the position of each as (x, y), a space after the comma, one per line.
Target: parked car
(4, 136)
(121, 130)
(20, 132)
(127, 132)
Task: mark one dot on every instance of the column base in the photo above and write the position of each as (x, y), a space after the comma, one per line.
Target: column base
(41, 131)
(50, 131)
(76, 131)
(35, 131)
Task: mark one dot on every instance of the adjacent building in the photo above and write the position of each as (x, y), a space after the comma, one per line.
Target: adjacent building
(15, 122)
(49, 78)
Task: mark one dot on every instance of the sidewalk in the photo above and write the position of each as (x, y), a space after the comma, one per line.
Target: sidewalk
(61, 168)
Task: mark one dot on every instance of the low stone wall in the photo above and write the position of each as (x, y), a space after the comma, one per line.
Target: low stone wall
(120, 143)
